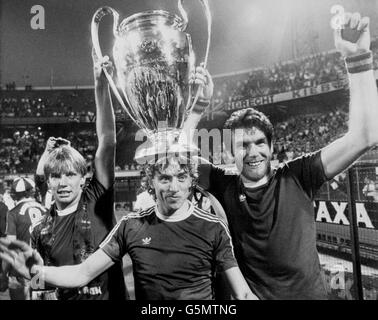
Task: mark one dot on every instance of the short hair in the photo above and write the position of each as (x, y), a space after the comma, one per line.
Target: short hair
(64, 159)
(188, 164)
(248, 118)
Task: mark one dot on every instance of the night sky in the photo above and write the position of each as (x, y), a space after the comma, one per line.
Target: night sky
(246, 34)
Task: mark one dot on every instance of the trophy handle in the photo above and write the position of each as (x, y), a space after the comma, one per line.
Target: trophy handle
(97, 17)
(206, 7)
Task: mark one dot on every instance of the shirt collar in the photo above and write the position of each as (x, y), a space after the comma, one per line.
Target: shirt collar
(67, 211)
(182, 213)
(25, 200)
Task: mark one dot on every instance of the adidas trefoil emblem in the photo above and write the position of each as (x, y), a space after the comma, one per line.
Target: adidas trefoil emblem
(146, 241)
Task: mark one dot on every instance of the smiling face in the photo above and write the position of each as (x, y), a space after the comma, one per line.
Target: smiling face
(172, 184)
(253, 154)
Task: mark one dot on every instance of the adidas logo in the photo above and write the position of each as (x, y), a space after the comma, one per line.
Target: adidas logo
(242, 197)
(146, 241)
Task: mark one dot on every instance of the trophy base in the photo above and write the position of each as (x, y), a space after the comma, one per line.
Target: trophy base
(164, 144)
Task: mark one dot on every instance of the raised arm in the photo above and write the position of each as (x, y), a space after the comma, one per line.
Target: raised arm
(239, 287)
(202, 80)
(363, 111)
(105, 124)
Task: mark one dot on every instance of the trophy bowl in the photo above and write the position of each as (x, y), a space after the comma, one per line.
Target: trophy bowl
(154, 59)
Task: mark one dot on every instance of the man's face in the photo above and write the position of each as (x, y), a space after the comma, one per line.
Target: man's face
(253, 154)
(172, 188)
(66, 188)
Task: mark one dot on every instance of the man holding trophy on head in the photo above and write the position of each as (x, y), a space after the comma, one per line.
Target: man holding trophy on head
(176, 248)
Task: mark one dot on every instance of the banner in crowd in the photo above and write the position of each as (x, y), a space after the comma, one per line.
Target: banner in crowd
(286, 96)
(226, 106)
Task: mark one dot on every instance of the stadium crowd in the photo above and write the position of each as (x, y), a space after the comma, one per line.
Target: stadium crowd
(40, 108)
(285, 76)
(21, 149)
(298, 135)
(281, 77)
(308, 133)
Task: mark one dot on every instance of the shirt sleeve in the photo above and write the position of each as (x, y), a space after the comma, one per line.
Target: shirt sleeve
(224, 251)
(114, 244)
(3, 219)
(11, 224)
(213, 179)
(104, 198)
(309, 172)
(95, 189)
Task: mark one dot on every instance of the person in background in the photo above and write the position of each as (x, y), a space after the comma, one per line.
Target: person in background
(3, 226)
(21, 218)
(3, 216)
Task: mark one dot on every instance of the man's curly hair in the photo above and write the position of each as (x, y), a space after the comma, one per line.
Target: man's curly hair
(188, 164)
(248, 118)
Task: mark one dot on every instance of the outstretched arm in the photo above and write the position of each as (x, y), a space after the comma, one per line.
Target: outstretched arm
(27, 263)
(105, 124)
(239, 287)
(75, 276)
(363, 111)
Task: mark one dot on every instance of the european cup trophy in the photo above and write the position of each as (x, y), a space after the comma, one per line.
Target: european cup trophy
(153, 59)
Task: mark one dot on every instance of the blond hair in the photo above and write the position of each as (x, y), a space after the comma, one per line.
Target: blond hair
(64, 159)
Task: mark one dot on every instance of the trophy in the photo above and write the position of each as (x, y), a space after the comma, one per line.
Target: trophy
(153, 60)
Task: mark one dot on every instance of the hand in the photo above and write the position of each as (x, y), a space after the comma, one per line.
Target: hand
(50, 144)
(19, 256)
(353, 24)
(53, 143)
(201, 79)
(98, 66)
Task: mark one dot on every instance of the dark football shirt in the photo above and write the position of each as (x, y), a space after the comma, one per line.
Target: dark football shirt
(172, 260)
(3, 218)
(273, 227)
(99, 205)
(22, 217)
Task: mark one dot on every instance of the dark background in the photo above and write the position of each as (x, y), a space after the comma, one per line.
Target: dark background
(246, 34)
